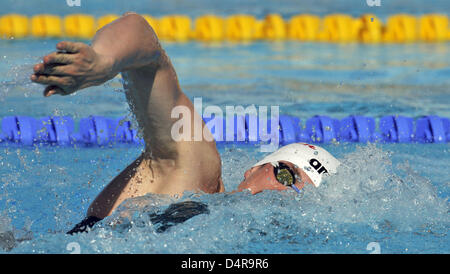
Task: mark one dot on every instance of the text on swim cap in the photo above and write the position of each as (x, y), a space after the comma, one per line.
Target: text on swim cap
(317, 166)
(310, 146)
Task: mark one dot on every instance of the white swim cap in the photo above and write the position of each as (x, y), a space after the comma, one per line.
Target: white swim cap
(313, 160)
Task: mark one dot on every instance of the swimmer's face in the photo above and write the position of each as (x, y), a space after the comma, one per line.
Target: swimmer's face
(262, 177)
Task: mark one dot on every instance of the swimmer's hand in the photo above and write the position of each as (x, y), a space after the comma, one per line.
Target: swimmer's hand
(72, 67)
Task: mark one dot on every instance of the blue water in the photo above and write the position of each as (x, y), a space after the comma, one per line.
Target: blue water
(393, 194)
(257, 8)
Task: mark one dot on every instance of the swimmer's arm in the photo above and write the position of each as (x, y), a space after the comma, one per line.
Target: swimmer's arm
(139, 46)
(128, 43)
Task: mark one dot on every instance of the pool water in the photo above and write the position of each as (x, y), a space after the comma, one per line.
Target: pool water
(394, 195)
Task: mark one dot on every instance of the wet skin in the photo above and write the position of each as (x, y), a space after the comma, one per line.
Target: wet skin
(262, 177)
(129, 46)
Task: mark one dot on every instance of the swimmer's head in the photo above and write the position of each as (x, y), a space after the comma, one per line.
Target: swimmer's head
(298, 163)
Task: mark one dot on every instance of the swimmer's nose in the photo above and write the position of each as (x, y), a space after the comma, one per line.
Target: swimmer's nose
(261, 178)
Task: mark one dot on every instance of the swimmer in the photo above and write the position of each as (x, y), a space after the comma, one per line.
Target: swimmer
(129, 46)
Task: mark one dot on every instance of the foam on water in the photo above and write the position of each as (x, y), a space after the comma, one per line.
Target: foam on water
(376, 197)
(369, 200)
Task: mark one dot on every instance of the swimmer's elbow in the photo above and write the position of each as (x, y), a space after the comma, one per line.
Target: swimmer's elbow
(131, 41)
(131, 28)
(144, 35)
(139, 24)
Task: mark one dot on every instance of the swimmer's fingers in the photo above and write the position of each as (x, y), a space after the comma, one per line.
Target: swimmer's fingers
(59, 58)
(51, 90)
(71, 47)
(51, 69)
(66, 53)
(66, 84)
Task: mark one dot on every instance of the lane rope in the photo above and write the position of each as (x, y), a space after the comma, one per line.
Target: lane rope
(340, 28)
(107, 131)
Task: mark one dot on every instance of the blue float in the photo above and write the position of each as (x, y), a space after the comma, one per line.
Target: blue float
(432, 129)
(288, 130)
(104, 131)
(358, 129)
(252, 129)
(397, 129)
(322, 129)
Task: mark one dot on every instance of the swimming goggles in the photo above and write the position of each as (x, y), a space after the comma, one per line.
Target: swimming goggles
(285, 176)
